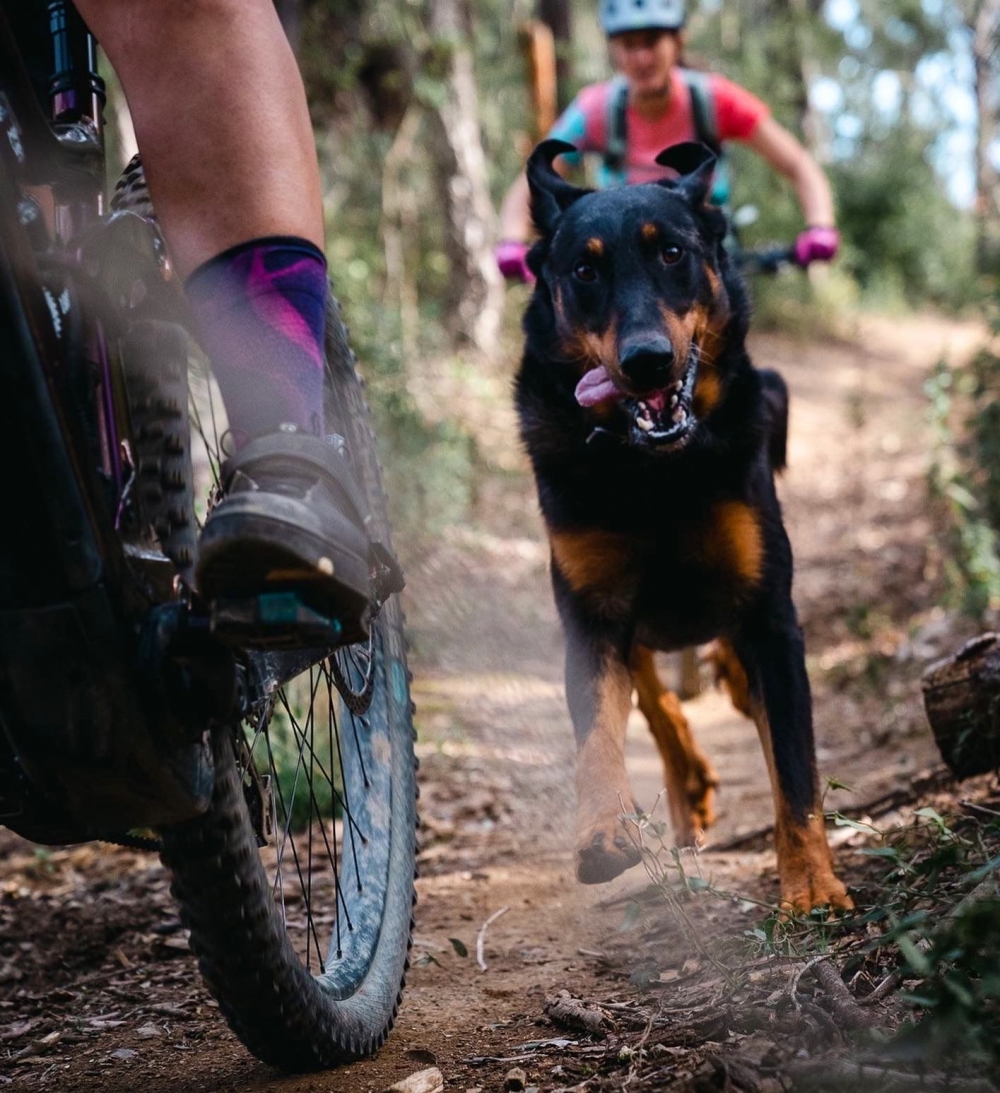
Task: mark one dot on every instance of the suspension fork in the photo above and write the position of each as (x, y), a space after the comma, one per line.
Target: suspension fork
(76, 107)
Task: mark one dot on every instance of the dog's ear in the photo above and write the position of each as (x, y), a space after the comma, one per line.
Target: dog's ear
(551, 194)
(695, 164)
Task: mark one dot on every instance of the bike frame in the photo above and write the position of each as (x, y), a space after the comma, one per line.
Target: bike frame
(107, 693)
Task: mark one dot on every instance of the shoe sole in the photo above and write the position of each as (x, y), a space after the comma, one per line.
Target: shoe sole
(243, 554)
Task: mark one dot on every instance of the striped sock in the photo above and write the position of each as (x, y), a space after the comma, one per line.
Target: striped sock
(260, 313)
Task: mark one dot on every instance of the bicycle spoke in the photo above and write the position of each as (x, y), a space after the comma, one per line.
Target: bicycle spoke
(295, 859)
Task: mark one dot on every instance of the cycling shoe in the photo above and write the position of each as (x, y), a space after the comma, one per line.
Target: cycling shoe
(284, 558)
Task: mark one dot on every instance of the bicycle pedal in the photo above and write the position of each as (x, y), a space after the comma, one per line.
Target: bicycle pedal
(273, 620)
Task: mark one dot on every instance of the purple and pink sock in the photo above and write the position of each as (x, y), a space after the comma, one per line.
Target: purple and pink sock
(260, 310)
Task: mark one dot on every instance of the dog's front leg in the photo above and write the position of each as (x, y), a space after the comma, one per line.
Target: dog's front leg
(773, 655)
(599, 692)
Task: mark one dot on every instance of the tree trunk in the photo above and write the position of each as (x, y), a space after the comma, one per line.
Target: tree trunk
(475, 308)
(962, 700)
(538, 47)
(985, 31)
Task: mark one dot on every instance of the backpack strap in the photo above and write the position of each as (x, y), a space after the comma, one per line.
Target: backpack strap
(706, 124)
(616, 137)
(706, 127)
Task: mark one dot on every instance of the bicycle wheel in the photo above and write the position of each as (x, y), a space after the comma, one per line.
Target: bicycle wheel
(304, 940)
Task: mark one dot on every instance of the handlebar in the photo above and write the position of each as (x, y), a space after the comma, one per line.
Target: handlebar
(767, 260)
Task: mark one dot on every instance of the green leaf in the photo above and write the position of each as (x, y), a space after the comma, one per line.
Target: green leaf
(935, 817)
(983, 871)
(631, 916)
(836, 783)
(459, 946)
(914, 957)
(846, 821)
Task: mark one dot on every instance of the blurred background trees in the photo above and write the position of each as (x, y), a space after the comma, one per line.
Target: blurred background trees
(426, 109)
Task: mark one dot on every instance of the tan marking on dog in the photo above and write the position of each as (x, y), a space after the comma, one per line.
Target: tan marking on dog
(805, 864)
(707, 390)
(650, 233)
(587, 350)
(731, 542)
(681, 330)
(729, 671)
(595, 247)
(688, 775)
(592, 561)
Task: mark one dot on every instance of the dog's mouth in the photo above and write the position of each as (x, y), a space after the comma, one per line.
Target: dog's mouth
(662, 419)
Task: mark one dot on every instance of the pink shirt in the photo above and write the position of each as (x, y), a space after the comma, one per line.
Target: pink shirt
(737, 111)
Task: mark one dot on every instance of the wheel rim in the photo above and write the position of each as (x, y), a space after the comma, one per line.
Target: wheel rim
(327, 787)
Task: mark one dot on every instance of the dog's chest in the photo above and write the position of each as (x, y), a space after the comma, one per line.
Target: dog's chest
(685, 569)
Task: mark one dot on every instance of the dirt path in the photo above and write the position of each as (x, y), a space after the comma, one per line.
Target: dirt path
(92, 967)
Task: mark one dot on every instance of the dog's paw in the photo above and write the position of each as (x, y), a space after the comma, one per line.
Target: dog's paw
(802, 893)
(603, 852)
(692, 810)
(702, 783)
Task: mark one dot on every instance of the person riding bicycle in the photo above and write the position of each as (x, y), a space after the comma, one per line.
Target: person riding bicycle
(655, 102)
(227, 145)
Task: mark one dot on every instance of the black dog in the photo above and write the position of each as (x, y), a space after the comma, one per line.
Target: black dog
(654, 442)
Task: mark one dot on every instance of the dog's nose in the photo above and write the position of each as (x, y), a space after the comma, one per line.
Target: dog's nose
(648, 363)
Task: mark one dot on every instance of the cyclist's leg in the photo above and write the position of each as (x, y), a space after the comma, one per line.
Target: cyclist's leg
(222, 123)
(215, 94)
(223, 128)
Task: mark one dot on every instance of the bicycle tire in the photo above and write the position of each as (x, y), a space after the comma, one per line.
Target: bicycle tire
(286, 1015)
(155, 357)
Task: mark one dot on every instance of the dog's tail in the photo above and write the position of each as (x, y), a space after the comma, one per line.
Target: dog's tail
(775, 392)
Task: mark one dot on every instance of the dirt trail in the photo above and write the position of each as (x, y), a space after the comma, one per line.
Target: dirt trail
(88, 945)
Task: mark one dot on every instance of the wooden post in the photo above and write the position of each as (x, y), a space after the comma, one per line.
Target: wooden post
(539, 48)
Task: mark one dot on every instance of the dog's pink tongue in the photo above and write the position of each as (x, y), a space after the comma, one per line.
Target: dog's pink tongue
(596, 387)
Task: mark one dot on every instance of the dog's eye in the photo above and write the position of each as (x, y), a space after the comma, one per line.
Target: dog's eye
(585, 272)
(672, 255)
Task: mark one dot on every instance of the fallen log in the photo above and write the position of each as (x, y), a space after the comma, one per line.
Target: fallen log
(962, 701)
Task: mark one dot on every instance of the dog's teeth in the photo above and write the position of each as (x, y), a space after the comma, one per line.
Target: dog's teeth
(644, 423)
(673, 401)
(679, 415)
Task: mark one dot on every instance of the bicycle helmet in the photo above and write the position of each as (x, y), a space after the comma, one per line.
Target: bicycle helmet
(620, 16)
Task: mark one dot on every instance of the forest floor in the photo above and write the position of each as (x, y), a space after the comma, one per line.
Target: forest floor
(677, 985)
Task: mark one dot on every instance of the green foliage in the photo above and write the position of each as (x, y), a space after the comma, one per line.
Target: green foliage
(903, 239)
(964, 476)
(959, 992)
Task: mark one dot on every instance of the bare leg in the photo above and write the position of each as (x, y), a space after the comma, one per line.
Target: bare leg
(220, 117)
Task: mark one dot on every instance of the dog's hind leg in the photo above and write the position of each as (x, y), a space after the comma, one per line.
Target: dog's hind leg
(775, 392)
(729, 671)
(773, 658)
(689, 776)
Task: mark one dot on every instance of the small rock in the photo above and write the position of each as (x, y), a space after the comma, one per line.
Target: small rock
(148, 1032)
(516, 1080)
(430, 1080)
(123, 1053)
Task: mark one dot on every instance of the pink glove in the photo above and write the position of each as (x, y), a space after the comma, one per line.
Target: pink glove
(512, 258)
(816, 245)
